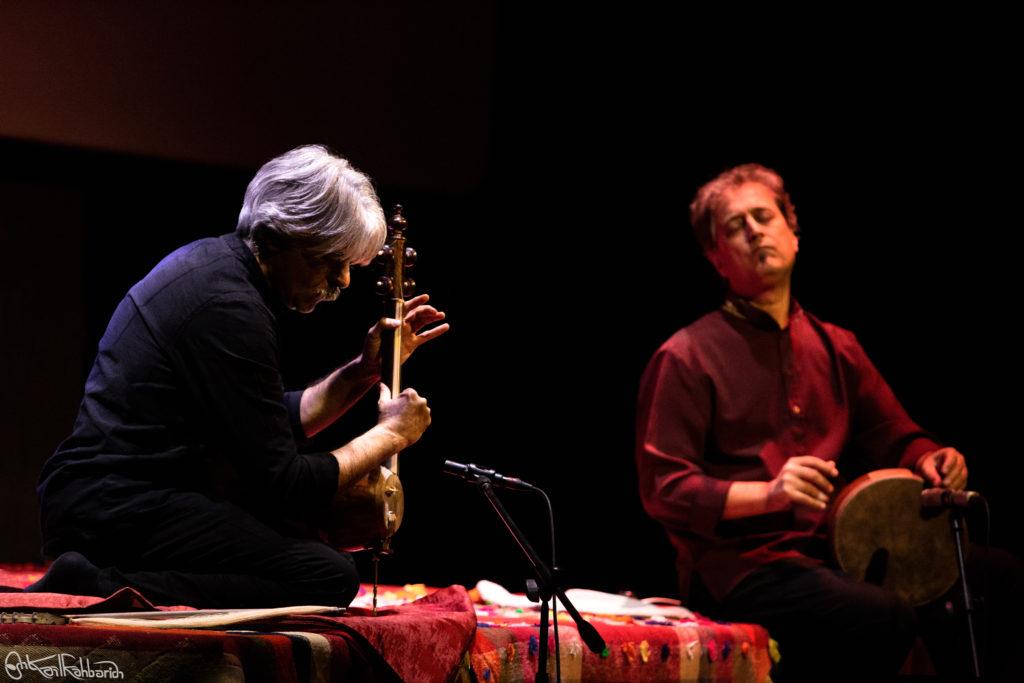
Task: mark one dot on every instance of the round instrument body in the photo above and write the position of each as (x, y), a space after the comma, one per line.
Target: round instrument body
(367, 514)
(881, 534)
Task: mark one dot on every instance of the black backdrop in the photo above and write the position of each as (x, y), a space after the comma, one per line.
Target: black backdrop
(552, 229)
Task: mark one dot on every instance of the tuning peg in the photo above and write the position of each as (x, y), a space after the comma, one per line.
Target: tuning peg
(410, 256)
(397, 219)
(385, 286)
(408, 286)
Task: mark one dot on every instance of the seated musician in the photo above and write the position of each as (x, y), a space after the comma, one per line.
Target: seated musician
(181, 477)
(745, 419)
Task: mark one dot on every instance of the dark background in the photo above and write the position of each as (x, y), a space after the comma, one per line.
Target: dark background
(545, 163)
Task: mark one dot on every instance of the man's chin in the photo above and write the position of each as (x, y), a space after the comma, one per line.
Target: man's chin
(773, 265)
(303, 307)
(307, 305)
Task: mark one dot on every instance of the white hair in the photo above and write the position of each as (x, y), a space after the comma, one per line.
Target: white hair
(315, 201)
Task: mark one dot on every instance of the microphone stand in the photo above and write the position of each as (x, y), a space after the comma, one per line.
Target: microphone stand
(547, 585)
(956, 521)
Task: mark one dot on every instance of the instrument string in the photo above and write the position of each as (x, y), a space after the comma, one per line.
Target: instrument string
(376, 576)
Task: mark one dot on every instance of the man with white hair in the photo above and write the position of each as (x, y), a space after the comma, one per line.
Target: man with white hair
(182, 476)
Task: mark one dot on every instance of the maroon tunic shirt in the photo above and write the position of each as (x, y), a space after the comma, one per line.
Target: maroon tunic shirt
(731, 398)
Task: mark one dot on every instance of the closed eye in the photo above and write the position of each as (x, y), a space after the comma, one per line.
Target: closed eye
(733, 225)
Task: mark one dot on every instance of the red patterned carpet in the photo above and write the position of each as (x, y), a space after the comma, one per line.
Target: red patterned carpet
(424, 635)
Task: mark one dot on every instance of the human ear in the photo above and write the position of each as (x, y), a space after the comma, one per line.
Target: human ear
(716, 260)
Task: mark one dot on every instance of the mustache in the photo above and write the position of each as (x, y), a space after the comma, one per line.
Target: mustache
(330, 294)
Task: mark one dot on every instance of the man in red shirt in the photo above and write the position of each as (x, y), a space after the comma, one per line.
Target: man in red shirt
(745, 418)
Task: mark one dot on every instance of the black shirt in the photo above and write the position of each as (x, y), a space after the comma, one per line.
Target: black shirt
(185, 394)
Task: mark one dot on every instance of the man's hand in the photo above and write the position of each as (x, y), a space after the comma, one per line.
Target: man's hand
(400, 424)
(945, 467)
(804, 480)
(417, 316)
(406, 416)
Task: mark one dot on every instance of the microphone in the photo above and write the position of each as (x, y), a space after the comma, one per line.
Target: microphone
(946, 498)
(471, 473)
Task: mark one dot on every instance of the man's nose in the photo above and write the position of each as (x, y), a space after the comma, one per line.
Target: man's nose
(343, 278)
(753, 229)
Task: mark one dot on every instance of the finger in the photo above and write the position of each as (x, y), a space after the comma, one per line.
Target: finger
(811, 489)
(802, 498)
(422, 309)
(814, 478)
(388, 323)
(422, 317)
(958, 484)
(417, 300)
(956, 480)
(826, 467)
(927, 469)
(954, 462)
(945, 460)
(433, 333)
(951, 467)
(793, 481)
(410, 392)
(385, 392)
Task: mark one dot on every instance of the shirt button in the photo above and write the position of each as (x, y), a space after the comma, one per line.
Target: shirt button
(795, 409)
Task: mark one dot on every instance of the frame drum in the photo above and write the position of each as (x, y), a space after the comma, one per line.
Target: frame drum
(881, 535)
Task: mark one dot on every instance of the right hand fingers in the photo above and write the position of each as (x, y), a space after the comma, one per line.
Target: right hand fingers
(411, 402)
(792, 484)
(810, 477)
(804, 480)
(407, 415)
(929, 471)
(826, 467)
(406, 405)
(407, 394)
(802, 498)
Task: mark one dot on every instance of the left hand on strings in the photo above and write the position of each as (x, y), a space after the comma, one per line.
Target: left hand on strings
(945, 467)
(418, 314)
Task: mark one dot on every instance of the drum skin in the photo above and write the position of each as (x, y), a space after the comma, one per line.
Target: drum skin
(880, 534)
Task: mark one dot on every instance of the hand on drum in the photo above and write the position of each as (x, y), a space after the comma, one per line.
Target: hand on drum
(803, 480)
(944, 468)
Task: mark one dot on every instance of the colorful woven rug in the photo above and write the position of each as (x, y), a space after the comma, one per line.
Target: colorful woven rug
(420, 634)
(506, 646)
(416, 640)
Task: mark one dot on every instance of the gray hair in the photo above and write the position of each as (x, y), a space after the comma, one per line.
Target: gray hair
(312, 200)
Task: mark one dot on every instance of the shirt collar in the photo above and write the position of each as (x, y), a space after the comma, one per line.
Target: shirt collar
(744, 310)
(259, 280)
